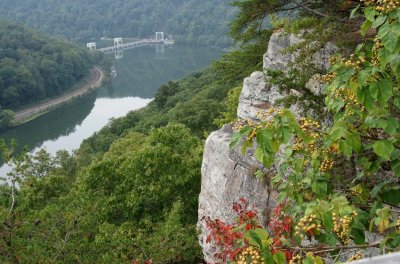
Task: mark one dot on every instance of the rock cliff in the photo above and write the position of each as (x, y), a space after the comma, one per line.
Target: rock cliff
(227, 175)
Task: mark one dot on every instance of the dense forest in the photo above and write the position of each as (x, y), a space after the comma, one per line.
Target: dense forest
(191, 22)
(131, 190)
(34, 67)
(129, 194)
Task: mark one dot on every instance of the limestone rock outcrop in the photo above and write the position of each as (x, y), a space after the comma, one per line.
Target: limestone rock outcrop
(227, 175)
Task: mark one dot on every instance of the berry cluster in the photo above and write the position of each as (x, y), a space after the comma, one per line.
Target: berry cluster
(333, 149)
(240, 124)
(355, 257)
(311, 128)
(341, 226)
(350, 99)
(375, 51)
(256, 127)
(309, 125)
(296, 260)
(353, 62)
(326, 165)
(384, 6)
(299, 259)
(308, 225)
(270, 112)
(300, 145)
(250, 255)
(327, 78)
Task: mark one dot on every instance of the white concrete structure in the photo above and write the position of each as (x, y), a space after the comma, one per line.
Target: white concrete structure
(118, 41)
(160, 36)
(119, 54)
(91, 45)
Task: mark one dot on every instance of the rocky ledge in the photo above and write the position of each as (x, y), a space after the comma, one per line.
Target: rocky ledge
(227, 175)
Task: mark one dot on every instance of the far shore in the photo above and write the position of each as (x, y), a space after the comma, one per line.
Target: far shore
(96, 78)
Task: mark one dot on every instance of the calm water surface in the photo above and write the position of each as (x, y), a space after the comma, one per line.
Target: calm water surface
(140, 72)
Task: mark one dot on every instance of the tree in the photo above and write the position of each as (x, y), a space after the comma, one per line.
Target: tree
(6, 118)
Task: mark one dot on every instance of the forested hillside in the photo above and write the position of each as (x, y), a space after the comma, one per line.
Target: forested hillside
(193, 22)
(130, 193)
(34, 67)
(131, 190)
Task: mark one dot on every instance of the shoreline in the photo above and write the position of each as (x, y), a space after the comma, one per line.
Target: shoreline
(28, 114)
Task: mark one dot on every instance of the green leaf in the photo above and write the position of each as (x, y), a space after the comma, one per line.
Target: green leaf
(377, 189)
(338, 131)
(253, 239)
(358, 236)
(391, 196)
(376, 122)
(396, 167)
(370, 13)
(385, 90)
(392, 126)
(383, 149)
(237, 137)
(389, 38)
(346, 149)
(259, 153)
(355, 141)
(246, 144)
(279, 258)
(365, 26)
(379, 21)
(268, 160)
(275, 145)
(374, 90)
(258, 238)
(331, 239)
(320, 188)
(328, 222)
(266, 254)
(383, 31)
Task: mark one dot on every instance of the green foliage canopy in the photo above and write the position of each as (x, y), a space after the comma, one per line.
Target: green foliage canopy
(191, 22)
(34, 67)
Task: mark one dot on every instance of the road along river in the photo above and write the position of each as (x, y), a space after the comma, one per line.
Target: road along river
(94, 81)
(140, 72)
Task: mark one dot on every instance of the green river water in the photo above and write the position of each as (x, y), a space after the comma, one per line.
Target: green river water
(140, 72)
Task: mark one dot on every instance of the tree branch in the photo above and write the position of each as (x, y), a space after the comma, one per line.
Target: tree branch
(314, 11)
(333, 248)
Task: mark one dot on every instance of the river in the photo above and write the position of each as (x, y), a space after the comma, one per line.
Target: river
(140, 72)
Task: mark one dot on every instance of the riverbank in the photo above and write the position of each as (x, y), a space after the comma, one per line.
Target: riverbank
(95, 80)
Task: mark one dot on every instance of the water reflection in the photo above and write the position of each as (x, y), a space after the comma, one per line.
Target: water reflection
(119, 54)
(59, 122)
(140, 72)
(143, 71)
(104, 109)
